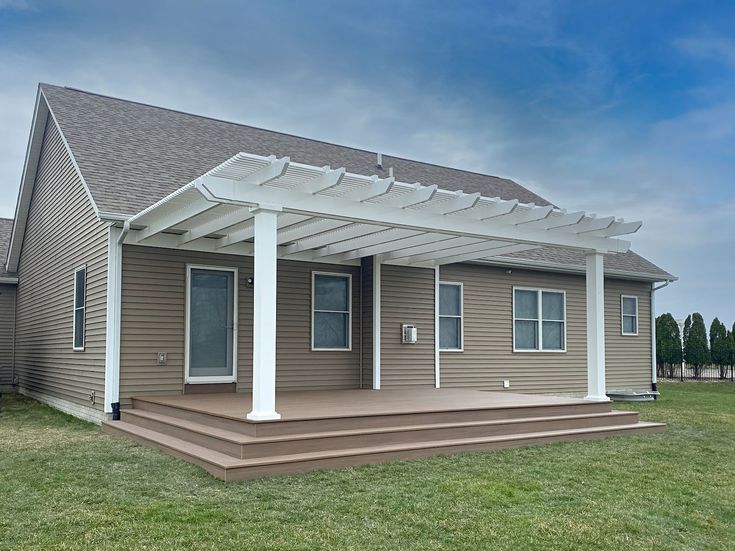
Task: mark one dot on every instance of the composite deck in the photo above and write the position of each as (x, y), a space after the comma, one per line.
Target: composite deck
(331, 429)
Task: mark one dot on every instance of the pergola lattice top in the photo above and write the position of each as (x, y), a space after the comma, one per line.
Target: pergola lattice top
(331, 215)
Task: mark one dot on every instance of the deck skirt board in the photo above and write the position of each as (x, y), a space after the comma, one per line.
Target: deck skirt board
(374, 427)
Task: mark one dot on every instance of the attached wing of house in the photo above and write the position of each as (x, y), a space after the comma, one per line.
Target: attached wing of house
(163, 253)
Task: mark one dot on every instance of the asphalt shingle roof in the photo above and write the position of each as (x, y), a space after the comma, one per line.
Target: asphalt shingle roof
(132, 155)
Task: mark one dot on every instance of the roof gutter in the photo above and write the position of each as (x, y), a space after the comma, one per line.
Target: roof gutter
(572, 269)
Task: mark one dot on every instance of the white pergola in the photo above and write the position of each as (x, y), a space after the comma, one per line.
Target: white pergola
(272, 208)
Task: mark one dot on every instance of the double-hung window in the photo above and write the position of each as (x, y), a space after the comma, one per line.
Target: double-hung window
(80, 301)
(450, 316)
(629, 313)
(539, 320)
(331, 316)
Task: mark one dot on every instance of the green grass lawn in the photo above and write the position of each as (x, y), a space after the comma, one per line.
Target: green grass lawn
(64, 485)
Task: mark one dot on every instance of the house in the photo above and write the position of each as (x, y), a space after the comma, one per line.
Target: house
(178, 270)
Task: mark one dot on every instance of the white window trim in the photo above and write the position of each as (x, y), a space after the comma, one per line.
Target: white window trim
(223, 378)
(461, 316)
(348, 277)
(74, 311)
(540, 320)
(622, 316)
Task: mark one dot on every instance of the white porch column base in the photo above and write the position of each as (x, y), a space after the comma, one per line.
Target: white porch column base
(264, 315)
(596, 328)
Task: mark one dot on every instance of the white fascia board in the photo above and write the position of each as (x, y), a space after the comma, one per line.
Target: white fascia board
(228, 191)
(41, 113)
(30, 168)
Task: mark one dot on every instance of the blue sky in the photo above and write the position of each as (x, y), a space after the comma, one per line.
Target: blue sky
(624, 108)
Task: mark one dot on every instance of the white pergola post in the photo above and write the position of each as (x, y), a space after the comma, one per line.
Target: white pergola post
(264, 314)
(595, 328)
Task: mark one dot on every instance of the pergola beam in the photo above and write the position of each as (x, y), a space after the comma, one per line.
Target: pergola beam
(388, 215)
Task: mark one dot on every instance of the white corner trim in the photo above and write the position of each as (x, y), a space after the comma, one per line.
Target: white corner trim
(437, 354)
(114, 298)
(376, 323)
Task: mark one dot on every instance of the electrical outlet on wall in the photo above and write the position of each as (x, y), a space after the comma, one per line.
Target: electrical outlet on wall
(161, 358)
(506, 383)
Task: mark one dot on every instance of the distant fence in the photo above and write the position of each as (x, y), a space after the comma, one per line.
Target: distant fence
(689, 373)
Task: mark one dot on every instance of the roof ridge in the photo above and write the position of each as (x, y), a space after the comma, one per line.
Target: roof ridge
(240, 124)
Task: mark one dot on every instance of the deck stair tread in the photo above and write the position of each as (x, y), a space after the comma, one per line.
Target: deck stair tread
(243, 439)
(225, 462)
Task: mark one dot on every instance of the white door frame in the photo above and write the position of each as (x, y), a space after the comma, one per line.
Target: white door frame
(217, 379)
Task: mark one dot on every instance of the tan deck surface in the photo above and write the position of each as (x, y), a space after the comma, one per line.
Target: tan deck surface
(319, 404)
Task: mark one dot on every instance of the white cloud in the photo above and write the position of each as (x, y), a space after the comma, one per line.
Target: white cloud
(715, 48)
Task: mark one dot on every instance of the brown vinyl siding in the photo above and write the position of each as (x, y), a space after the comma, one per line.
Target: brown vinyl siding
(153, 320)
(488, 356)
(62, 234)
(406, 296)
(628, 357)
(7, 325)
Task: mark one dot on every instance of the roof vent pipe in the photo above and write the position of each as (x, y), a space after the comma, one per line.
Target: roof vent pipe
(380, 161)
(390, 172)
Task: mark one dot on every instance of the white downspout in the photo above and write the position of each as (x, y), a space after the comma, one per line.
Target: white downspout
(115, 239)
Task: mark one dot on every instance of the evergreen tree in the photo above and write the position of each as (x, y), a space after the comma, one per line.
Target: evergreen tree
(668, 345)
(719, 349)
(687, 329)
(696, 349)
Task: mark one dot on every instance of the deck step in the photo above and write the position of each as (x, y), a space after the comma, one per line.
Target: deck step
(244, 446)
(365, 421)
(229, 468)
